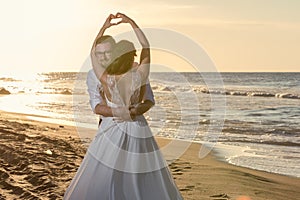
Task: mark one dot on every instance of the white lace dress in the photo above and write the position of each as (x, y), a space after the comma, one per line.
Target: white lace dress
(123, 162)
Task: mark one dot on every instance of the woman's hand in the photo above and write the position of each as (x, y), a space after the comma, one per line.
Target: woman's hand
(125, 19)
(144, 66)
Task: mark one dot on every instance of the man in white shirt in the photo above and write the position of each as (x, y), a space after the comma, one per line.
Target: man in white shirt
(97, 102)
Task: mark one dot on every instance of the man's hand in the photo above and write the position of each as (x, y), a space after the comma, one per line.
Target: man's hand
(108, 22)
(140, 108)
(124, 18)
(121, 114)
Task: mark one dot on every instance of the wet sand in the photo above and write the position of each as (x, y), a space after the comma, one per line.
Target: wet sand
(38, 161)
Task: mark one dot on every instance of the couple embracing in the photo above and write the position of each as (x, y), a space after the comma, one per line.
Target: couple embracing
(123, 162)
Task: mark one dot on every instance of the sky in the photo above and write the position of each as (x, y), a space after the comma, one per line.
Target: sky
(237, 35)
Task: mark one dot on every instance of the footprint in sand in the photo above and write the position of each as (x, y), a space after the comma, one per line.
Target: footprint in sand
(26, 171)
(220, 197)
(188, 188)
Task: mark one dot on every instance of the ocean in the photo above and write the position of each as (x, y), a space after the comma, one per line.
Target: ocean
(252, 119)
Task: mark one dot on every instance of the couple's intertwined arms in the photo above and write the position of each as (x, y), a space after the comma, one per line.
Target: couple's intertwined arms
(144, 65)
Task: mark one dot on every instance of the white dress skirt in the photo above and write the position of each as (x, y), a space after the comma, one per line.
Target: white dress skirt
(123, 162)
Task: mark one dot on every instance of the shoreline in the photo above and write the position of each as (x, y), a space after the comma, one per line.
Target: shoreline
(28, 169)
(219, 149)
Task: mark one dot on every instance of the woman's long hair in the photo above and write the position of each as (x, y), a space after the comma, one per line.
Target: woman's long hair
(123, 58)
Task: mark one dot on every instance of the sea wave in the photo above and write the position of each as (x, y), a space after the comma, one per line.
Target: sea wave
(161, 88)
(63, 92)
(7, 79)
(223, 91)
(4, 91)
(268, 142)
(246, 93)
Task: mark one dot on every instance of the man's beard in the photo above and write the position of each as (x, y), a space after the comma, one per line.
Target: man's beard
(105, 64)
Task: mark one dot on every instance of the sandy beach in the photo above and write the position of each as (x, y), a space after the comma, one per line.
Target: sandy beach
(38, 161)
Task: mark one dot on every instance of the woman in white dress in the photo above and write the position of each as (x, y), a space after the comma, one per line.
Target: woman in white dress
(123, 162)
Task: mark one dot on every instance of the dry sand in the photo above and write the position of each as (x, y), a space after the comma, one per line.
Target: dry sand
(38, 161)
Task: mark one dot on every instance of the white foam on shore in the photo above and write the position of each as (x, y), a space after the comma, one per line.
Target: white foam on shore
(258, 157)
